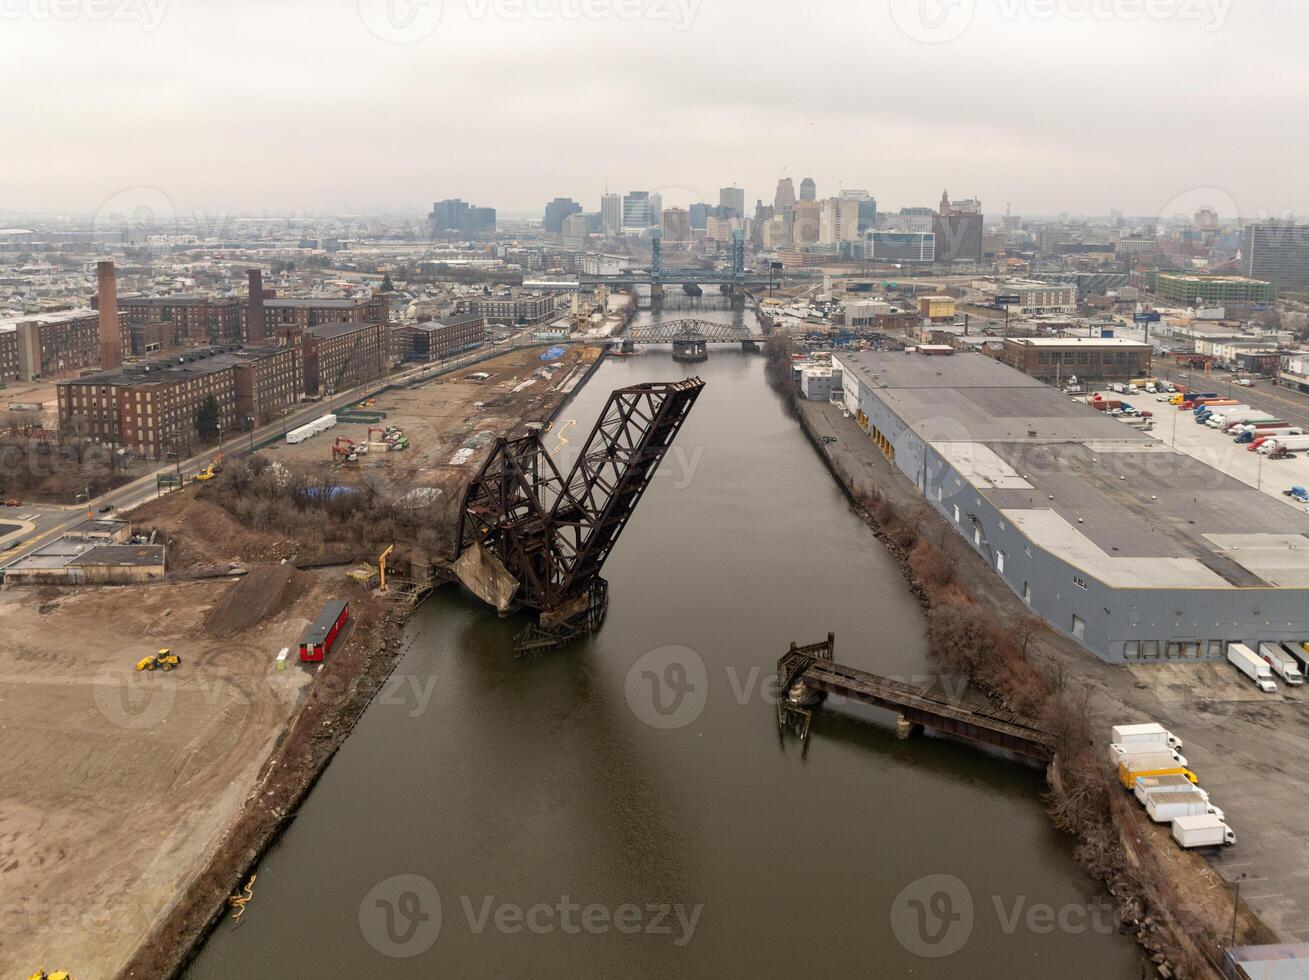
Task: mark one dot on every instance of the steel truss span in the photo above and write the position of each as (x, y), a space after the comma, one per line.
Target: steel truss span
(553, 533)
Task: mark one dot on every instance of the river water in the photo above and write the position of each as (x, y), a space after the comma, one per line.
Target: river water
(625, 808)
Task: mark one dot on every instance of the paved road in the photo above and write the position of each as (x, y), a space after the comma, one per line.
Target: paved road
(49, 521)
(1284, 403)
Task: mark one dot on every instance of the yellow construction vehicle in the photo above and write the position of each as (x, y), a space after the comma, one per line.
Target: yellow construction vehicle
(381, 565)
(366, 575)
(165, 659)
(57, 975)
(212, 470)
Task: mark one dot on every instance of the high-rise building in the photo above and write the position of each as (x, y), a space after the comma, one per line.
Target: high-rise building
(1277, 251)
(732, 199)
(611, 213)
(901, 246)
(958, 230)
(785, 196)
(636, 211)
(656, 208)
(839, 220)
(555, 213)
(676, 225)
(805, 229)
(455, 218)
(855, 194)
(921, 220)
(699, 215)
(576, 230)
(867, 215)
(808, 190)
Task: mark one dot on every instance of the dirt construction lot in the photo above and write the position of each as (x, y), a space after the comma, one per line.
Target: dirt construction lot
(115, 784)
(449, 419)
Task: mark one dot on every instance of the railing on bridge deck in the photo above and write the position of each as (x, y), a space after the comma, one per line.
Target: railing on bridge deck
(813, 667)
(665, 332)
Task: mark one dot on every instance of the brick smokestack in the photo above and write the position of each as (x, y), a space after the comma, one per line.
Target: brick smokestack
(107, 302)
(256, 321)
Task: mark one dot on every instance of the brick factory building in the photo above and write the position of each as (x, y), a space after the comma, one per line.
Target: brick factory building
(341, 355)
(1090, 359)
(511, 309)
(196, 321)
(286, 317)
(438, 339)
(151, 408)
(49, 345)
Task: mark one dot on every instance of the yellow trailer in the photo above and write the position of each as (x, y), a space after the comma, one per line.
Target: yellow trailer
(1146, 765)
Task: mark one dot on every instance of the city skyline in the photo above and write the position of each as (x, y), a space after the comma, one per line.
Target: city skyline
(202, 140)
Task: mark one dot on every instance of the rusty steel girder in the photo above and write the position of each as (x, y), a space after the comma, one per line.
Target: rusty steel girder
(553, 533)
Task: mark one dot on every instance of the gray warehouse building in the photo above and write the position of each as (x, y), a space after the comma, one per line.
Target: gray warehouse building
(1137, 551)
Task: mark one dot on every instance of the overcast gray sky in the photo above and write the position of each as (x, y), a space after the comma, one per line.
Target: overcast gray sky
(289, 105)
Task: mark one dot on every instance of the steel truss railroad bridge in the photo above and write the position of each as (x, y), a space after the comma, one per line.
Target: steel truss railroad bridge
(542, 538)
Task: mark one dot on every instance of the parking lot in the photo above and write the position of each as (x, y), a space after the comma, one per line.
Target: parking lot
(1178, 429)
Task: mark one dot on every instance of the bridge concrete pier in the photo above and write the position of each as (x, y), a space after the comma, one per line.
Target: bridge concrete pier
(690, 348)
(904, 728)
(656, 292)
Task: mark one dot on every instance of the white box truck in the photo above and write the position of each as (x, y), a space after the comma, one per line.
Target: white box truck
(1148, 786)
(1300, 654)
(1119, 753)
(1167, 807)
(1283, 664)
(1252, 666)
(1149, 733)
(1203, 830)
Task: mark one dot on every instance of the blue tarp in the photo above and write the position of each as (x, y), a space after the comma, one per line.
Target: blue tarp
(553, 354)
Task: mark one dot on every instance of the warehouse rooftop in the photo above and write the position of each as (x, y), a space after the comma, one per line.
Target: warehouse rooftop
(1127, 508)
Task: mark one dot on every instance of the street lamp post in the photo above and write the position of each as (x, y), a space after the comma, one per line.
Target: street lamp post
(1236, 904)
(250, 421)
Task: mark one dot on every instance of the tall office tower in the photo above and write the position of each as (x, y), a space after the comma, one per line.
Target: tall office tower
(611, 213)
(1277, 251)
(555, 213)
(676, 225)
(867, 215)
(808, 190)
(656, 209)
(785, 196)
(806, 227)
(699, 216)
(958, 230)
(576, 230)
(636, 211)
(839, 220)
(731, 199)
(454, 217)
